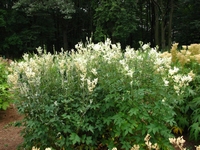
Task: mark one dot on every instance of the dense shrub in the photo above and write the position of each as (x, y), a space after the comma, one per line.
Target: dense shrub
(97, 97)
(5, 96)
(188, 113)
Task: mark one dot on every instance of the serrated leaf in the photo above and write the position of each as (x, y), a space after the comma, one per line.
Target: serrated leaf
(128, 130)
(196, 115)
(107, 121)
(191, 92)
(195, 130)
(74, 138)
(182, 121)
(152, 128)
(133, 111)
(195, 101)
(126, 145)
(91, 128)
(177, 130)
(88, 140)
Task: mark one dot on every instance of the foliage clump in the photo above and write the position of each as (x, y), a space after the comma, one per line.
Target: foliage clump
(97, 97)
(5, 95)
(188, 112)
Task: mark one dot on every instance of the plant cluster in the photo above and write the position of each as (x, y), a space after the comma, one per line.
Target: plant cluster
(188, 113)
(5, 95)
(97, 97)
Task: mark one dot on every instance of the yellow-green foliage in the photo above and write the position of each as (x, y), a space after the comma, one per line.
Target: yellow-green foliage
(186, 55)
(188, 115)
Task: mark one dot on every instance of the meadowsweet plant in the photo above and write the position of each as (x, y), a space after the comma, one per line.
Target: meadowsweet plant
(188, 113)
(97, 97)
(178, 142)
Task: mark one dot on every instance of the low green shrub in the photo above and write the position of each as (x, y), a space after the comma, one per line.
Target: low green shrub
(5, 95)
(97, 97)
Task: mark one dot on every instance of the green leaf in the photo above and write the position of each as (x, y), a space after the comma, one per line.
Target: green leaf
(107, 120)
(91, 128)
(126, 145)
(127, 129)
(88, 140)
(74, 138)
(133, 111)
(196, 115)
(195, 131)
(5, 105)
(191, 92)
(153, 128)
(67, 129)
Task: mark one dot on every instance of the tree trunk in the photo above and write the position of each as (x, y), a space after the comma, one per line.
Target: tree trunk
(152, 23)
(162, 31)
(170, 24)
(156, 28)
(64, 31)
(65, 40)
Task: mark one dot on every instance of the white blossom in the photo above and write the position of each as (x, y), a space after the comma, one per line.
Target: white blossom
(94, 71)
(173, 71)
(145, 46)
(92, 84)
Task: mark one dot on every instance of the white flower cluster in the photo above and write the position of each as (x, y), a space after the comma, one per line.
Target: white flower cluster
(86, 61)
(27, 73)
(91, 84)
(162, 65)
(34, 148)
(178, 142)
(149, 144)
(180, 81)
(198, 147)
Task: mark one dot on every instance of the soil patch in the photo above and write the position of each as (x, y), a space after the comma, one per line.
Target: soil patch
(9, 135)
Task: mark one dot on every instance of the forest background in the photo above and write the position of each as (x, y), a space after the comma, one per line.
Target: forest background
(56, 24)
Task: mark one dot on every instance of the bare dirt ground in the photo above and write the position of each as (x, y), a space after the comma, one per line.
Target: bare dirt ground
(10, 136)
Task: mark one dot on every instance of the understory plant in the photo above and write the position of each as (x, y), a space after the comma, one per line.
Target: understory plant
(188, 113)
(97, 97)
(5, 95)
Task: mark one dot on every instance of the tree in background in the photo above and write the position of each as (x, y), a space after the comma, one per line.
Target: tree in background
(162, 13)
(10, 38)
(27, 24)
(60, 10)
(115, 19)
(155, 21)
(80, 25)
(187, 22)
(21, 33)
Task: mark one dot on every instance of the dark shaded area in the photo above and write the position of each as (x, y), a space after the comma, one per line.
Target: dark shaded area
(158, 22)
